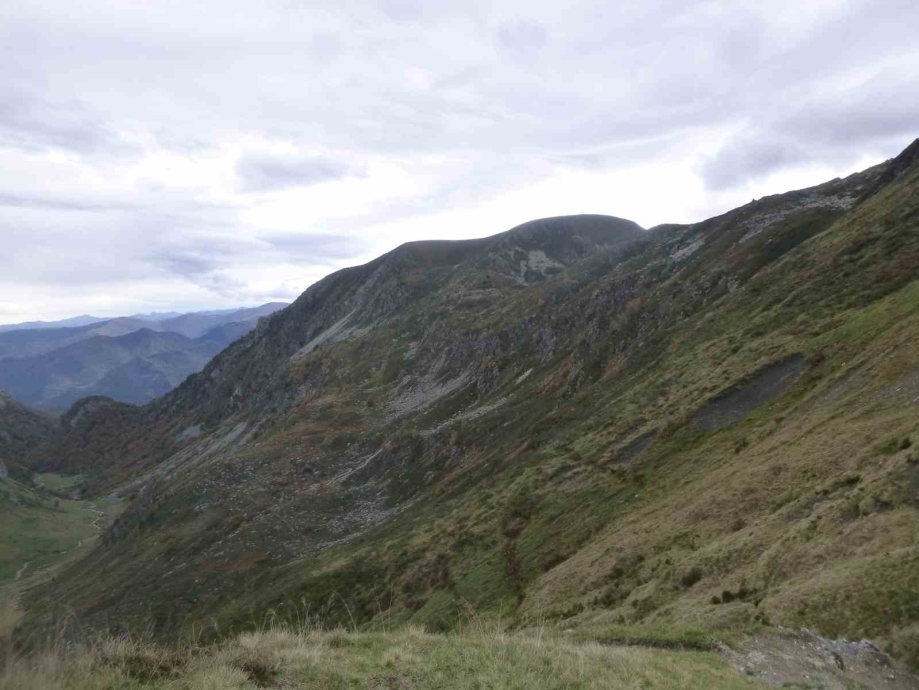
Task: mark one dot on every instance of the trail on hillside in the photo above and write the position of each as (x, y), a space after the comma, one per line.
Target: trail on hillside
(95, 524)
(21, 571)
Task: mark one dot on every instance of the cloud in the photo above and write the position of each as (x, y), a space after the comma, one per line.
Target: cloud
(314, 247)
(33, 124)
(522, 36)
(39, 202)
(270, 173)
(154, 155)
(750, 156)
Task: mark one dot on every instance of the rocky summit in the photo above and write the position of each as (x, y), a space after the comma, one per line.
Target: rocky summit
(577, 421)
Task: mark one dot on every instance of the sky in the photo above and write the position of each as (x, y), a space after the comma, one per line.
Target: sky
(161, 155)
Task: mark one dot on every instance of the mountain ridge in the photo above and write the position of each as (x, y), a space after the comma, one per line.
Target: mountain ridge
(30, 342)
(127, 359)
(653, 426)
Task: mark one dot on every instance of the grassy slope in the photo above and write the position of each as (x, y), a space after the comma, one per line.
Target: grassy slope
(769, 510)
(40, 528)
(803, 513)
(405, 659)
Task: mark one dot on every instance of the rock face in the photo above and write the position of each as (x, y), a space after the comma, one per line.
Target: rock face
(564, 419)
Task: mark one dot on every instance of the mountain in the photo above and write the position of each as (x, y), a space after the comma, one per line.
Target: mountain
(156, 315)
(135, 367)
(197, 324)
(575, 421)
(83, 320)
(21, 430)
(36, 341)
(126, 358)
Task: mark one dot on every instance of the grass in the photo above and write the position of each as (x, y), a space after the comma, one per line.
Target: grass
(306, 658)
(654, 636)
(57, 483)
(39, 529)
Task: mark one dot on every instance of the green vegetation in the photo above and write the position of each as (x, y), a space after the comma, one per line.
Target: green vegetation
(39, 528)
(684, 440)
(654, 636)
(409, 658)
(58, 483)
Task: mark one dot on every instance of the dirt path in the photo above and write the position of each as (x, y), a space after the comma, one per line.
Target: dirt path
(99, 515)
(20, 572)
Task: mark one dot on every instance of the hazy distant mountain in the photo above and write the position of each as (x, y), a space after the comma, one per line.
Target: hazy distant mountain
(134, 367)
(83, 320)
(196, 324)
(156, 315)
(36, 341)
(129, 359)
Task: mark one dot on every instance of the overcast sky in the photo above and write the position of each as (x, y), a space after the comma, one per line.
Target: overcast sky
(160, 154)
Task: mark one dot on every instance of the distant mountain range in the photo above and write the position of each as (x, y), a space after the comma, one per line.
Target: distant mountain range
(83, 320)
(131, 359)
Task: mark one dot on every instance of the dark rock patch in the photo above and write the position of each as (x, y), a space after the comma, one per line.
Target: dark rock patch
(635, 447)
(734, 404)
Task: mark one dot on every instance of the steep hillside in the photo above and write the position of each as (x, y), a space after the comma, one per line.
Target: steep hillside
(21, 430)
(703, 424)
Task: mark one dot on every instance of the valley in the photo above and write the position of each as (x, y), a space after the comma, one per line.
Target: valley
(42, 526)
(689, 435)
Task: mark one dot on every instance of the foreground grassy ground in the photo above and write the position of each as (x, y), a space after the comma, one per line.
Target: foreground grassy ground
(481, 654)
(476, 658)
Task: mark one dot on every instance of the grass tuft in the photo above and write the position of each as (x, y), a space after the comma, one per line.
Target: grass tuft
(483, 655)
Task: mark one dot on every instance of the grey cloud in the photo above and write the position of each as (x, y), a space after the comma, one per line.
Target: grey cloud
(192, 266)
(749, 157)
(829, 127)
(32, 123)
(61, 204)
(522, 36)
(403, 10)
(226, 286)
(265, 173)
(157, 102)
(318, 248)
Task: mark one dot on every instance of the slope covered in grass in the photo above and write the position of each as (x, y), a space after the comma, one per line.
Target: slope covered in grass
(407, 659)
(42, 524)
(708, 426)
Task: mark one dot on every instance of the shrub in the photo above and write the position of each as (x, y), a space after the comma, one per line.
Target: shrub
(691, 576)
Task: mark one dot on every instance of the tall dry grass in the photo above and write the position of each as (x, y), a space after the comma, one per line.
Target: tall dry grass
(303, 655)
